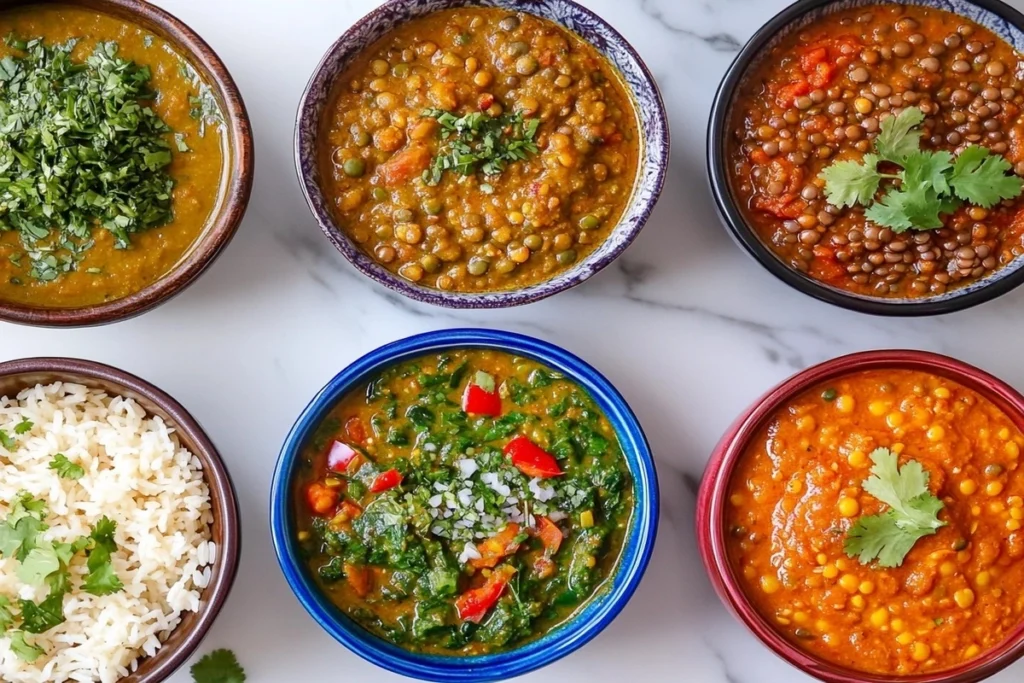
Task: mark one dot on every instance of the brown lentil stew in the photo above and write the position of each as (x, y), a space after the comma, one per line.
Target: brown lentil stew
(798, 491)
(821, 95)
(107, 272)
(479, 232)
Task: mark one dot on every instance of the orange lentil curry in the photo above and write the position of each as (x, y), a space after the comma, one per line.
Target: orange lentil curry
(476, 150)
(798, 496)
(823, 96)
(106, 270)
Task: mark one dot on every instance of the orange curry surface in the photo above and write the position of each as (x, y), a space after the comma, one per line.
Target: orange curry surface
(798, 491)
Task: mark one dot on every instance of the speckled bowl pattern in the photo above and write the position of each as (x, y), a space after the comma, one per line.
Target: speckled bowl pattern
(16, 375)
(998, 17)
(588, 620)
(649, 108)
(237, 184)
(733, 446)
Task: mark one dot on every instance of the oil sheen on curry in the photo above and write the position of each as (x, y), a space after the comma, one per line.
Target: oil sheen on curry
(476, 150)
(463, 503)
(137, 162)
(876, 523)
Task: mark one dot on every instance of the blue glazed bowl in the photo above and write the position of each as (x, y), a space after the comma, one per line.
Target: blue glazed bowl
(639, 82)
(995, 15)
(588, 621)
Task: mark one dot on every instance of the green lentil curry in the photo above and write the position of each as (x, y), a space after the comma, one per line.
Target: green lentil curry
(475, 150)
(463, 503)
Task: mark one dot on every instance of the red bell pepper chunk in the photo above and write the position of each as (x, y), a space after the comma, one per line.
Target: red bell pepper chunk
(474, 604)
(481, 396)
(531, 459)
(340, 456)
(386, 480)
(549, 534)
(497, 547)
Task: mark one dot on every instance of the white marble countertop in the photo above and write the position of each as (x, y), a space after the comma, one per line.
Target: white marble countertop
(686, 325)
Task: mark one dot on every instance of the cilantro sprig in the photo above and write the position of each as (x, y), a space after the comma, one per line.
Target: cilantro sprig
(80, 149)
(480, 142)
(219, 666)
(913, 512)
(923, 185)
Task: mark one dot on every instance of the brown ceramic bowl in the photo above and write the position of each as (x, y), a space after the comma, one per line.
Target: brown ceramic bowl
(238, 184)
(17, 374)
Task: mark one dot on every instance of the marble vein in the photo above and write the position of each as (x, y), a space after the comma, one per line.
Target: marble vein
(718, 42)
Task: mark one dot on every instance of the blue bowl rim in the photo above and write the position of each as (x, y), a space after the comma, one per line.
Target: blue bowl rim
(585, 625)
(740, 230)
(490, 299)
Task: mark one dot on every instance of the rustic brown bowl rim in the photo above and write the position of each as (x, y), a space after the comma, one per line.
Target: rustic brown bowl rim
(238, 186)
(29, 371)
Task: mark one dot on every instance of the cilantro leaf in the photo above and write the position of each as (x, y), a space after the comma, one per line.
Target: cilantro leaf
(890, 212)
(899, 136)
(23, 649)
(23, 426)
(478, 142)
(848, 182)
(41, 617)
(38, 564)
(102, 579)
(219, 666)
(22, 531)
(912, 514)
(979, 177)
(928, 169)
(65, 468)
(6, 441)
(6, 616)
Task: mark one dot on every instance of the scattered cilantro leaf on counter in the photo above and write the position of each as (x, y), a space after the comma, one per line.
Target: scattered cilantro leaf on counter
(219, 666)
(913, 512)
(929, 184)
(65, 468)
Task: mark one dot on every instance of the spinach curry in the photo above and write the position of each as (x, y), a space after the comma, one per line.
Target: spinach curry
(463, 503)
(111, 157)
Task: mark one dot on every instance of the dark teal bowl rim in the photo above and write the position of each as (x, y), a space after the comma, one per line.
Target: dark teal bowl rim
(590, 620)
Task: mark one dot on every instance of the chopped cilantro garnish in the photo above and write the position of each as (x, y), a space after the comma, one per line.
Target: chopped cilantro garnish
(481, 143)
(102, 580)
(23, 649)
(22, 427)
(913, 512)
(65, 468)
(929, 185)
(80, 148)
(6, 440)
(219, 666)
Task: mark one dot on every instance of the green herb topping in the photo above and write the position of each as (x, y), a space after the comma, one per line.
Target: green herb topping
(928, 185)
(219, 666)
(80, 148)
(479, 142)
(65, 468)
(912, 514)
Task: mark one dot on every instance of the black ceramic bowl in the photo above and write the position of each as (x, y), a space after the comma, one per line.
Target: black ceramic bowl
(998, 17)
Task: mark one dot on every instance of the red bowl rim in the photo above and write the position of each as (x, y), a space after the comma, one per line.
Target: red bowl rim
(714, 492)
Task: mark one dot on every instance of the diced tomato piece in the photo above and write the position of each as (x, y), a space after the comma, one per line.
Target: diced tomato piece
(531, 459)
(359, 578)
(788, 93)
(787, 205)
(812, 57)
(386, 480)
(340, 456)
(485, 101)
(355, 430)
(822, 75)
(481, 396)
(826, 265)
(404, 165)
(474, 604)
(497, 546)
(549, 534)
(322, 498)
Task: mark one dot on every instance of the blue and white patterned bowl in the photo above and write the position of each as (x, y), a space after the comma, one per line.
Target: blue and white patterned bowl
(588, 621)
(996, 16)
(638, 79)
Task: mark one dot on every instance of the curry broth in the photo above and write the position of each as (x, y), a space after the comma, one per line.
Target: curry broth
(198, 174)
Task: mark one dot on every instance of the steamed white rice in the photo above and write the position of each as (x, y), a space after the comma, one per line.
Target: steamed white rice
(137, 474)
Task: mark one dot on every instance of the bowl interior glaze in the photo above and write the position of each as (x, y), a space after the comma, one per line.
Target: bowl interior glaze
(236, 182)
(1003, 20)
(639, 82)
(584, 625)
(225, 532)
(734, 445)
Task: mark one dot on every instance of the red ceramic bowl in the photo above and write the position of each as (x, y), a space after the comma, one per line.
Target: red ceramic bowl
(713, 495)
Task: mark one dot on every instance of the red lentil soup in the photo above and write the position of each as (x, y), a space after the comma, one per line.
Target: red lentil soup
(107, 270)
(478, 150)
(822, 95)
(800, 490)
